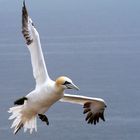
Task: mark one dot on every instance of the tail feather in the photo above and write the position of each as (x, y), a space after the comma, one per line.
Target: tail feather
(20, 125)
(15, 109)
(22, 120)
(15, 122)
(14, 115)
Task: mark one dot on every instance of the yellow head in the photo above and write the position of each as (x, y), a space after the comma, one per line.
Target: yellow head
(65, 83)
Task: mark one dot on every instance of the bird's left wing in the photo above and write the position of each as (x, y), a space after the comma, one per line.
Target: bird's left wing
(94, 107)
(33, 42)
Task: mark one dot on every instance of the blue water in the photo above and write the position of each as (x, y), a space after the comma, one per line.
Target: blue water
(96, 44)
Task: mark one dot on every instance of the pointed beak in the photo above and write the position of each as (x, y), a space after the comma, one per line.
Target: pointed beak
(72, 86)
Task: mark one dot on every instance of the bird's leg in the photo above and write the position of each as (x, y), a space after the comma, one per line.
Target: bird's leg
(44, 118)
(20, 101)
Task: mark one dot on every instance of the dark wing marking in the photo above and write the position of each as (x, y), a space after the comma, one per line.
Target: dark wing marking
(25, 25)
(92, 115)
(93, 107)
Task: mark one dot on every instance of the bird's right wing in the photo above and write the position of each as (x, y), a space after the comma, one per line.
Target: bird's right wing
(33, 42)
(94, 107)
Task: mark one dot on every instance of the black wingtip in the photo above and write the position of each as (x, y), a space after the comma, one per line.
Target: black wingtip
(24, 12)
(24, 6)
(23, 3)
(102, 116)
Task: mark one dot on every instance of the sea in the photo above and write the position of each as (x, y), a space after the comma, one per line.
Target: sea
(96, 44)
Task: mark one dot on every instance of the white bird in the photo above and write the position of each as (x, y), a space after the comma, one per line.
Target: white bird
(47, 91)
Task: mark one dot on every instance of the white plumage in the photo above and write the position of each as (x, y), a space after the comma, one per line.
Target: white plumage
(47, 91)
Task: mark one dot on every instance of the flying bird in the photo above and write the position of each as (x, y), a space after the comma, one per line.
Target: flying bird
(47, 92)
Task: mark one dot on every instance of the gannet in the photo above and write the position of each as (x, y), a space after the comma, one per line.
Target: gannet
(47, 92)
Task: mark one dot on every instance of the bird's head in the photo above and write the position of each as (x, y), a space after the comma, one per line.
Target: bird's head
(64, 82)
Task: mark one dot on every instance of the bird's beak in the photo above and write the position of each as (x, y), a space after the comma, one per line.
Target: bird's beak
(72, 86)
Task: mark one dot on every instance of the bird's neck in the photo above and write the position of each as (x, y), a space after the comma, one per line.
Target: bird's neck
(59, 90)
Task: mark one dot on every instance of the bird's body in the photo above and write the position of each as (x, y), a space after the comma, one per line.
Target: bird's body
(44, 96)
(47, 91)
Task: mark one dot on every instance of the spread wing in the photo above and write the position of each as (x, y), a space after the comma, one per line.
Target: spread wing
(33, 42)
(93, 107)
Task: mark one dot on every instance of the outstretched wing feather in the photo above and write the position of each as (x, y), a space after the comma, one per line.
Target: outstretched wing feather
(33, 42)
(93, 107)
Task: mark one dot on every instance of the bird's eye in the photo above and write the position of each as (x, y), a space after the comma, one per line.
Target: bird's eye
(66, 83)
